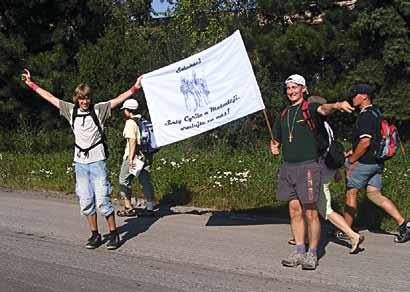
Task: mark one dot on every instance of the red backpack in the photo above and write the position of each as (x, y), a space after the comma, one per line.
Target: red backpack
(389, 138)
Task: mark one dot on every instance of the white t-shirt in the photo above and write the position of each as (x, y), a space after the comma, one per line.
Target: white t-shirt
(86, 131)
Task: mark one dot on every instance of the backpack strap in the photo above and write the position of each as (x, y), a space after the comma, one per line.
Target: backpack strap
(93, 115)
(87, 150)
(307, 116)
(97, 122)
(375, 112)
(74, 116)
(283, 112)
(100, 129)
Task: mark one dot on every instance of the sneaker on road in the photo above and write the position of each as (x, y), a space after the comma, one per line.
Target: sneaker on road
(404, 233)
(310, 262)
(94, 241)
(114, 242)
(341, 235)
(356, 244)
(293, 260)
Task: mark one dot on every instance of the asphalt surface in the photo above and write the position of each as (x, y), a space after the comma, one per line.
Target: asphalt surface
(42, 239)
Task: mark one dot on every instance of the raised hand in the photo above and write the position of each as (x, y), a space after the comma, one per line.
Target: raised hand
(138, 82)
(345, 106)
(26, 76)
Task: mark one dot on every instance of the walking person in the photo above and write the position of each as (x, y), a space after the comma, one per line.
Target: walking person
(133, 136)
(364, 170)
(87, 122)
(299, 175)
(324, 203)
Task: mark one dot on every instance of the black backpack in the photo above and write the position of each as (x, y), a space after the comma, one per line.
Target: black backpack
(103, 140)
(328, 147)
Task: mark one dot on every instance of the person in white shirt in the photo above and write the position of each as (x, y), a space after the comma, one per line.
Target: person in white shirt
(133, 136)
(87, 121)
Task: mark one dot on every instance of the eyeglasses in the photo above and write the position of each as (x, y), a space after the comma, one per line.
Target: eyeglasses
(84, 98)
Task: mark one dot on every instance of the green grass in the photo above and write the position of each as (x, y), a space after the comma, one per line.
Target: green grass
(214, 177)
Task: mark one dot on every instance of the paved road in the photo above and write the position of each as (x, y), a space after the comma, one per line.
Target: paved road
(42, 239)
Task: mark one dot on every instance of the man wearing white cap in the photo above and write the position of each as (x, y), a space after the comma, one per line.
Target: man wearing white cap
(133, 136)
(299, 176)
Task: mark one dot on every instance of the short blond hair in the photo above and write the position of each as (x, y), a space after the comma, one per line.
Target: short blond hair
(81, 91)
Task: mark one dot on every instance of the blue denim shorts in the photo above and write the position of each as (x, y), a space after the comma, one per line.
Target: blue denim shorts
(93, 188)
(359, 175)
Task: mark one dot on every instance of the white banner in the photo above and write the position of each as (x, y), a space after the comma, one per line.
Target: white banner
(202, 92)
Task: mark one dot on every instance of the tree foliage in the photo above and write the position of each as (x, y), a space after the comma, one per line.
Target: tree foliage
(109, 43)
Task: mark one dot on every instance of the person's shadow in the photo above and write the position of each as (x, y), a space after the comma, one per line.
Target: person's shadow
(179, 195)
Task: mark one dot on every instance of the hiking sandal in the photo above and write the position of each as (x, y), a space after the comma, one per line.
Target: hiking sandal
(127, 212)
(293, 242)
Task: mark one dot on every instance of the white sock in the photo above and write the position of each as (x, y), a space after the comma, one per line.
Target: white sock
(150, 205)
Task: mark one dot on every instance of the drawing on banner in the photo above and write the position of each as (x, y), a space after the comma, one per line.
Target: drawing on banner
(195, 91)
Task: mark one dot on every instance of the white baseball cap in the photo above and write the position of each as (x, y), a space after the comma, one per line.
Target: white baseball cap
(296, 78)
(130, 104)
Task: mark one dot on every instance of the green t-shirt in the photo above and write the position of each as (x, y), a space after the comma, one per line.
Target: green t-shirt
(298, 141)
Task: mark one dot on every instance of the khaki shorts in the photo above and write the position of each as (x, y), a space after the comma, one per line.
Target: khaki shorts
(324, 204)
(300, 180)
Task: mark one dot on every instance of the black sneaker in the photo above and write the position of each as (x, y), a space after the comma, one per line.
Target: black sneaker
(341, 235)
(114, 241)
(94, 241)
(404, 233)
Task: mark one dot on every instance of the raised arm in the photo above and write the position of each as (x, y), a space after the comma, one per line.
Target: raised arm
(26, 77)
(123, 96)
(329, 108)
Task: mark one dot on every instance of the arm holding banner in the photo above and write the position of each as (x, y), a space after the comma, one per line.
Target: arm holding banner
(274, 147)
(123, 96)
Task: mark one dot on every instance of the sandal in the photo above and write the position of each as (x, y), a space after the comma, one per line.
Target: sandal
(127, 212)
(293, 242)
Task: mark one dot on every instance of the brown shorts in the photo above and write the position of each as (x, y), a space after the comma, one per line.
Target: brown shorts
(300, 180)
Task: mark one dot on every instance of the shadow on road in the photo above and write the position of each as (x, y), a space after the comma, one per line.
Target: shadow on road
(180, 195)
